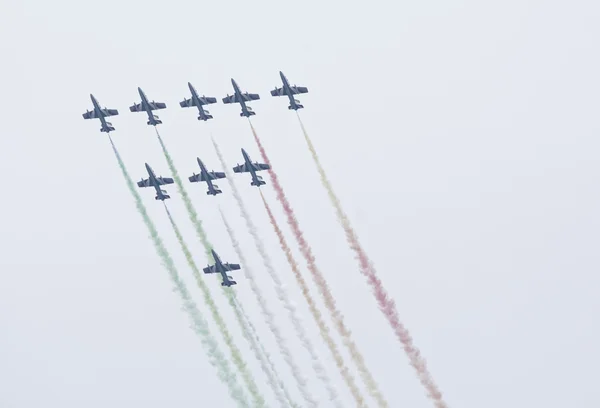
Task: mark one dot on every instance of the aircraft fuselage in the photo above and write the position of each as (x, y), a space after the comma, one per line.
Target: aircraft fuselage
(154, 182)
(100, 114)
(251, 168)
(288, 91)
(222, 270)
(146, 107)
(211, 187)
(238, 93)
(197, 101)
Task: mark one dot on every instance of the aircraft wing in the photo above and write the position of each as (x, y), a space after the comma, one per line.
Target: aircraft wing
(211, 174)
(260, 166)
(144, 183)
(250, 97)
(241, 168)
(231, 267)
(210, 269)
(186, 103)
(298, 89)
(136, 108)
(106, 112)
(231, 99)
(164, 180)
(157, 105)
(204, 100)
(139, 107)
(207, 100)
(278, 92)
(161, 181)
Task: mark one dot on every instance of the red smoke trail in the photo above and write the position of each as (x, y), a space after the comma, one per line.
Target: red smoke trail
(323, 329)
(387, 305)
(321, 283)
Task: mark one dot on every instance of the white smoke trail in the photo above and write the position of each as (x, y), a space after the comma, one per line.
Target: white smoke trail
(281, 392)
(280, 289)
(270, 319)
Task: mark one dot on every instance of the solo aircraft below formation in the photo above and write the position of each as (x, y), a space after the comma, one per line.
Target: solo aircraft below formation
(102, 114)
(148, 107)
(252, 168)
(207, 176)
(289, 91)
(198, 101)
(222, 268)
(156, 182)
(241, 98)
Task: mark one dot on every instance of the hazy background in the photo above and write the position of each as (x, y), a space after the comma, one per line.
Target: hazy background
(461, 136)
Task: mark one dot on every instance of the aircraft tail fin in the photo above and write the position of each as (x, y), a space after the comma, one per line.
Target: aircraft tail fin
(250, 113)
(217, 191)
(229, 283)
(109, 128)
(205, 118)
(163, 197)
(298, 106)
(258, 183)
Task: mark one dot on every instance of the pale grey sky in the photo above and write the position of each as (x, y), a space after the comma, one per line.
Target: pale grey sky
(462, 138)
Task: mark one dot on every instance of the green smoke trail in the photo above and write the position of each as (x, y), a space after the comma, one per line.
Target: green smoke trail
(198, 324)
(235, 352)
(186, 200)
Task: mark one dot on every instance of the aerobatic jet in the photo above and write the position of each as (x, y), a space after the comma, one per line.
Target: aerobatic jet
(241, 98)
(198, 101)
(252, 168)
(207, 176)
(290, 91)
(222, 268)
(101, 113)
(156, 182)
(148, 107)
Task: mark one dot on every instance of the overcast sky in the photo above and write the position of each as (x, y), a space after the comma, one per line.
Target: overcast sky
(461, 137)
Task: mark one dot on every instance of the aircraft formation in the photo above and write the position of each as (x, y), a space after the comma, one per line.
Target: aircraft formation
(385, 304)
(148, 106)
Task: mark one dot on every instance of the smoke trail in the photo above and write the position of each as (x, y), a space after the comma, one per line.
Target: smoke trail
(186, 200)
(270, 319)
(323, 329)
(252, 228)
(198, 324)
(235, 352)
(386, 305)
(284, 298)
(247, 330)
(320, 281)
(250, 330)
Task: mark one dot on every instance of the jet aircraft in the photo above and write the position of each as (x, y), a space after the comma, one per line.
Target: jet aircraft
(156, 182)
(289, 91)
(252, 168)
(222, 268)
(198, 101)
(207, 176)
(241, 98)
(148, 107)
(101, 113)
